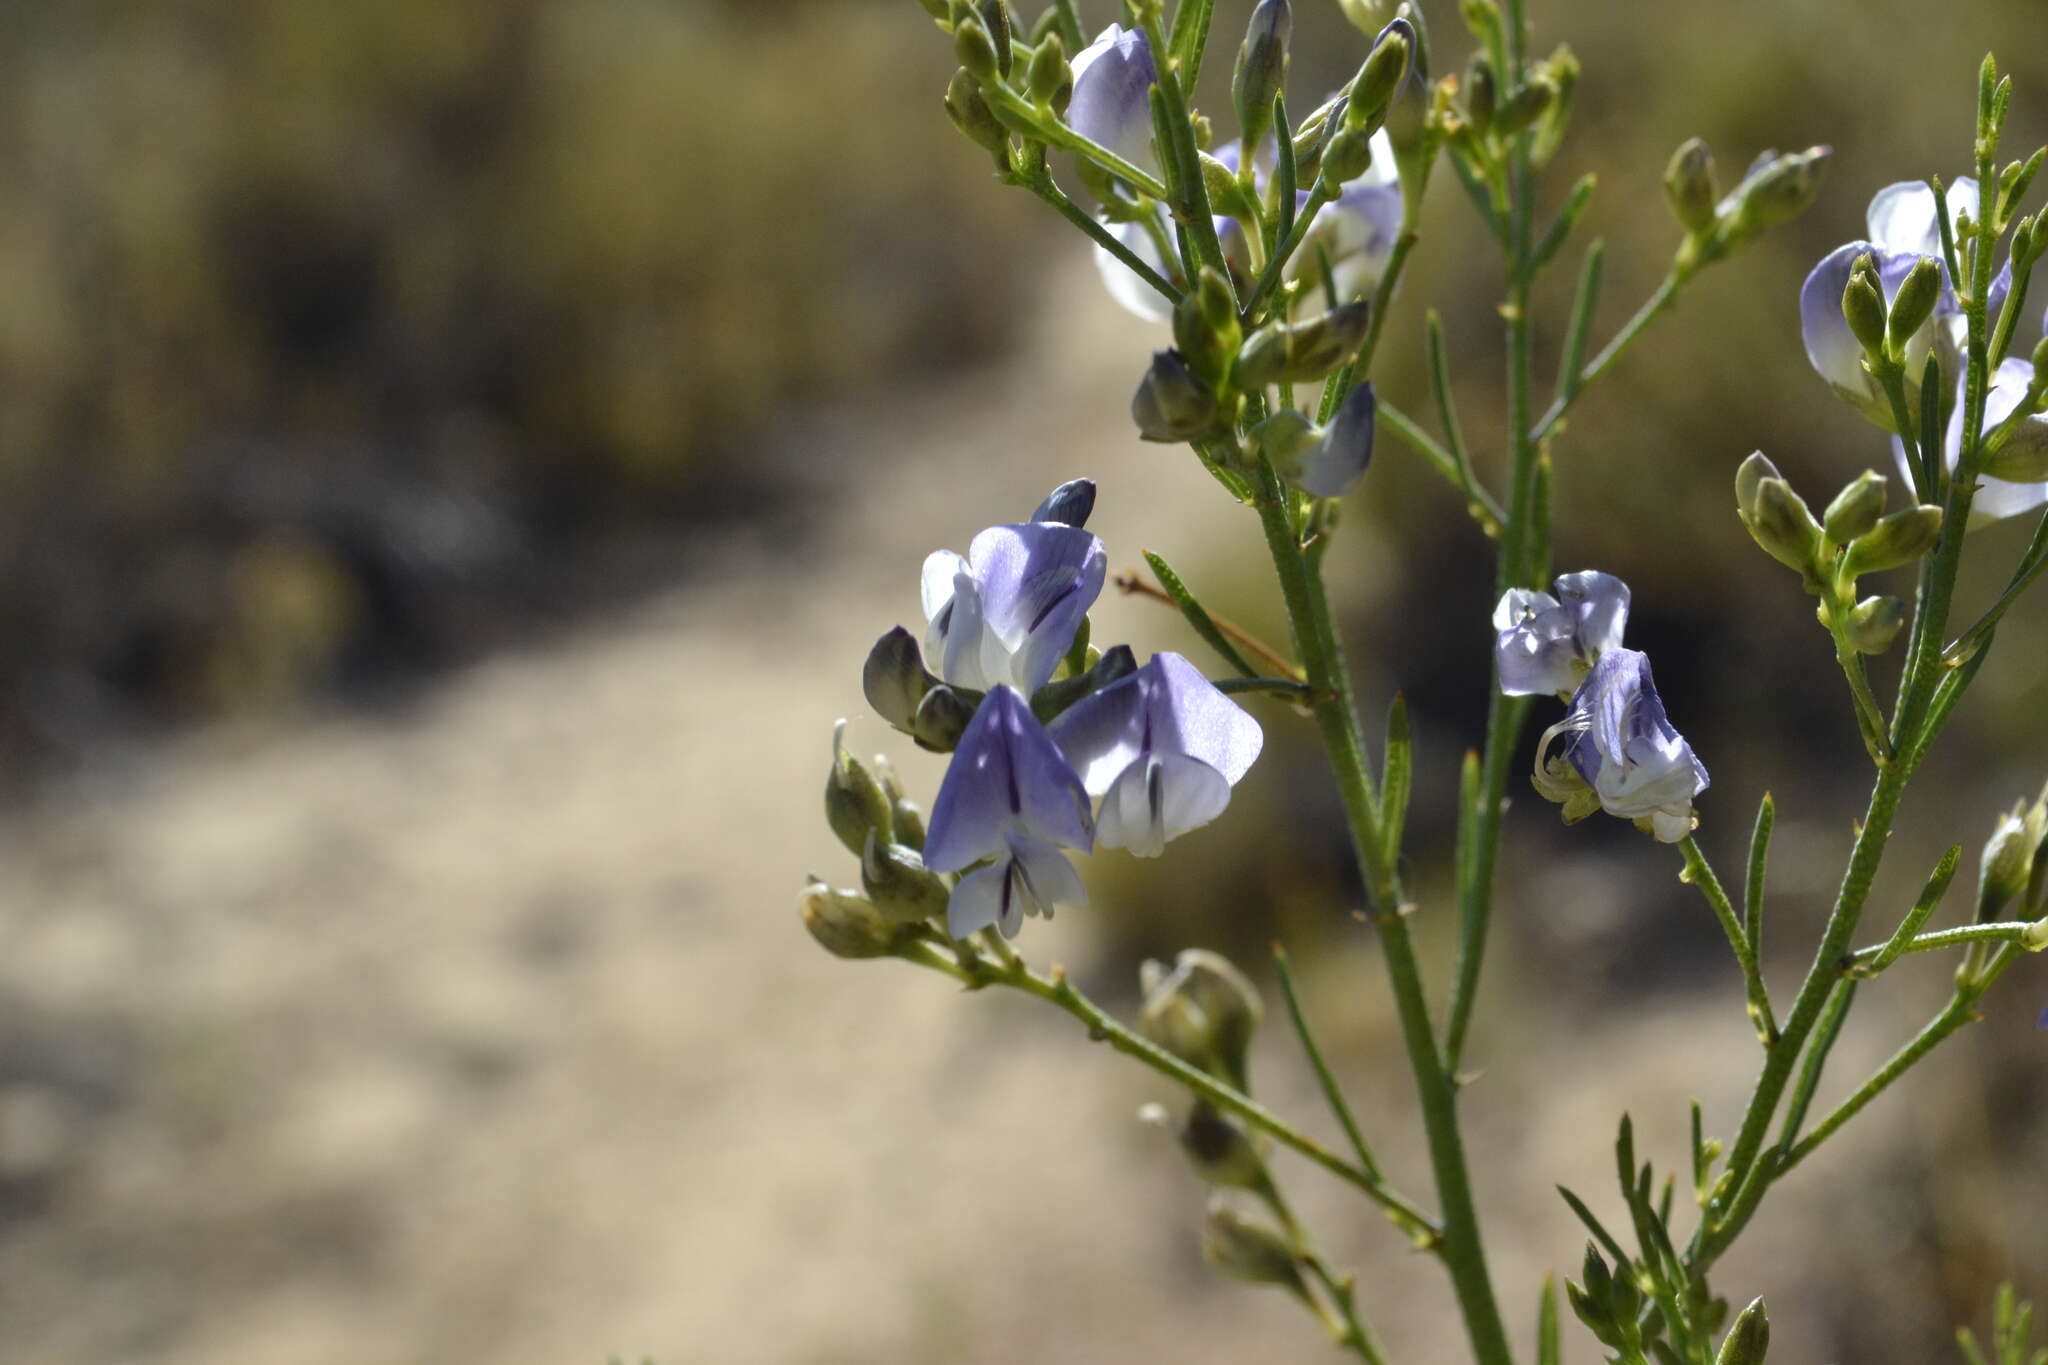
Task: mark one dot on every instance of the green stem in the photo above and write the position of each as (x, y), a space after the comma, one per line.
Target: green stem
(2008, 931)
(1461, 1248)
(2030, 566)
(1700, 873)
(1045, 188)
(1277, 263)
(1058, 134)
(1666, 295)
(1478, 502)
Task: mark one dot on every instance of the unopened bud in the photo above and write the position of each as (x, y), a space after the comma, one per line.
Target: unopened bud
(1525, 106)
(1898, 539)
(1347, 157)
(1748, 1339)
(1481, 92)
(855, 804)
(1261, 68)
(976, 50)
(1689, 185)
(1373, 90)
(1363, 14)
(941, 719)
(971, 115)
(1248, 1251)
(1913, 304)
(1748, 475)
(1069, 504)
(1299, 353)
(1855, 509)
(1219, 1149)
(1204, 1011)
(1863, 309)
(2007, 863)
(902, 888)
(1313, 136)
(995, 16)
(1777, 191)
(937, 9)
(1784, 526)
(1206, 335)
(1048, 70)
(1172, 403)
(845, 924)
(894, 678)
(1874, 623)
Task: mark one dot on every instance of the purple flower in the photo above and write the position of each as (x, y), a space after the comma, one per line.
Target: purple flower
(1163, 748)
(1621, 752)
(1549, 644)
(2022, 460)
(1009, 799)
(1008, 611)
(1112, 103)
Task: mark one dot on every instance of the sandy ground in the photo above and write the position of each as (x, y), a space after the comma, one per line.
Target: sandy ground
(485, 1030)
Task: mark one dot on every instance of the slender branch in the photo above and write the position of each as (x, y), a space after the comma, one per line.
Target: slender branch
(1700, 873)
(1129, 583)
(1043, 185)
(2030, 566)
(1059, 134)
(1666, 295)
(2007, 931)
(1478, 502)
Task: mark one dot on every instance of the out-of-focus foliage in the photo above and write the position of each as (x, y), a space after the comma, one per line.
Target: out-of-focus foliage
(324, 322)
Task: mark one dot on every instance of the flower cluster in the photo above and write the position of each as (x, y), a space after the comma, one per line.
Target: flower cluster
(1620, 752)
(1041, 726)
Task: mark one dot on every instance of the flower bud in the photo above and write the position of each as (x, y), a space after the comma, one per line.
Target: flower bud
(1525, 106)
(1913, 304)
(902, 888)
(1855, 509)
(1373, 89)
(1777, 190)
(1863, 310)
(941, 719)
(1363, 14)
(1748, 1339)
(1069, 504)
(1562, 70)
(1261, 72)
(1298, 353)
(1898, 539)
(895, 679)
(1172, 403)
(971, 115)
(976, 50)
(1048, 71)
(1480, 93)
(1205, 328)
(1689, 185)
(1874, 623)
(2007, 863)
(854, 801)
(1781, 523)
(1204, 1011)
(844, 924)
(995, 17)
(1248, 1251)
(1347, 157)
(1312, 137)
(1219, 1149)
(1050, 700)
(1752, 472)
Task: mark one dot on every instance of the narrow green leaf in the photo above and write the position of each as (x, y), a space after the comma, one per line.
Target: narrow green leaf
(1966, 1342)
(1190, 37)
(1701, 1167)
(1284, 173)
(1567, 219)
(1824, 1034)
(1605, 1238)
(1930, 900)
(1549, 1340)
(1753, 885)
(1440, 386)
(1071, 32)
(1397, 776)
(1587, 297)
(1204, 624)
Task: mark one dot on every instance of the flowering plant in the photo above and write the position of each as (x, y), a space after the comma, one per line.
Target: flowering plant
(1272, 259)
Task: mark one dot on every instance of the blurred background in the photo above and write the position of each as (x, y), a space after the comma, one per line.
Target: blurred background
(453, 459)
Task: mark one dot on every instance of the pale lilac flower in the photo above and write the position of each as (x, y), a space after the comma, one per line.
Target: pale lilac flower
(1996, 498)
(1112, 104)
(1549, 644)
(1008, 611)
(1356, 232)
(1339, 459)
(1162, 747)
(1621, 750)
(1009, 798)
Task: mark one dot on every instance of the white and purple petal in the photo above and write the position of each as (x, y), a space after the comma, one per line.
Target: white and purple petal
(1038, 581)
(1111, 104)
(1339, 459)
(1006, 778)
(1165, 707)
(1157, 798)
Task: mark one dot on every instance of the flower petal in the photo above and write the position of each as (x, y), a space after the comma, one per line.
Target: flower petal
(1160, 797)
(1006, 777)
(1598, 603)
(979, 900)
(1111, 104)
(1123, 283)
(1037, 581)
(1165, 707)
(1337, 461)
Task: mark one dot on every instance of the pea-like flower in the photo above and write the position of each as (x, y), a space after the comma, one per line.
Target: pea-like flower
(1112, 101)
(1162, 747)
(1008, 611)
(2015, 477)
(1549, 644)
(1904, 227)
(1355, 232)
(1621, 753)
(1009, 800)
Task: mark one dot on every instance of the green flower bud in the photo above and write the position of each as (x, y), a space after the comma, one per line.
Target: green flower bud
(1206, 349)
(902, 888)
(1778, 191)
(1261, 72)
(971, 115)
(1748, 1339)
(1863, 310)
(1748, 475)
(1782, 524)
(1913, 304)
(1248, 1251)
(895, 679)
(845, 925)
(1172, 403)
(854, 801)
(1689, 185)
(1311, 137)
(976, 50)
(1898, 539)
(1874, 623)
(908, 819)
(1298, 353)
(1048, 71)
(1204, 1011)
(937, 9)
(1363, 14)
(1219, 1149)
(1481, 93)
(1347, 157)
(1372, 90)
(2007, 863)
(1855, 509)
(995, 16)
(941, 719)
(1525, 106)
